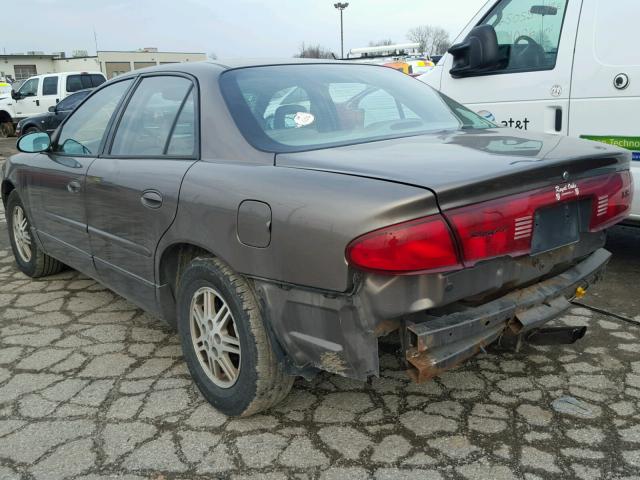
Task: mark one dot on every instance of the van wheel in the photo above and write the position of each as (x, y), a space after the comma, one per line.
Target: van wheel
(30, 259)
(225, 342)
(6, 129)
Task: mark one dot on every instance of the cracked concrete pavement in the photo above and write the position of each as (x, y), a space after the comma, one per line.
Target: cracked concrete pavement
(93, 388)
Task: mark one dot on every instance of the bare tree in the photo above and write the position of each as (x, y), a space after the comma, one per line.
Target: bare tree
(381, 43)
(432, 40)
(313, 51)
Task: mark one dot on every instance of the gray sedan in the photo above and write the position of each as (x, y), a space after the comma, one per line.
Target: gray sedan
(285, 215)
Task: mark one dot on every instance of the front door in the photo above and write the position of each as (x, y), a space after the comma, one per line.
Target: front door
(29, 103)
(132, 191)
(531, 90)
(57, 189)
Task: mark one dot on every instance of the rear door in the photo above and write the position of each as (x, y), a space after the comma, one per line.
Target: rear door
(132, 191)
(49, 93)
(605, 93)
(532, 91)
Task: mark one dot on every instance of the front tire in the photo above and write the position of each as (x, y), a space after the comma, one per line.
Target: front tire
(225, 341)
(31, 261)
(6, 129)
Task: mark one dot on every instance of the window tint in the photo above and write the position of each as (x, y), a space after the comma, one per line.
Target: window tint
(82, 81)
(50, 86)
(182, 141)
(72, 101)
(30, 88)
(148, 120)
(528, 32)
(334, 105)
(84, 130)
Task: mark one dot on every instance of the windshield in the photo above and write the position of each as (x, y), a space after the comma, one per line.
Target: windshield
(302, 107)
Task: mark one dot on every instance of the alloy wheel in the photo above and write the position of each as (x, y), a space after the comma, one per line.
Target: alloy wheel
(21, 234)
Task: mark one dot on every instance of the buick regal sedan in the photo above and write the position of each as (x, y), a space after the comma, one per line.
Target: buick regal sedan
(284, 216)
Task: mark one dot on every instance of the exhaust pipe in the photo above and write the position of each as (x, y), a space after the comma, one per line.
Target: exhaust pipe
(556, 335)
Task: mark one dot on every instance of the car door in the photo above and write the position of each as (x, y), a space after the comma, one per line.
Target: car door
(132, 190)
(28, 102)
(56, 188)
(605, 92)
(531, 90)
(49, 93)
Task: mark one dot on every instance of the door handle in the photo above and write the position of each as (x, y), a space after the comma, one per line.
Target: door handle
(37, 102)
(74, 186)
(151, 199)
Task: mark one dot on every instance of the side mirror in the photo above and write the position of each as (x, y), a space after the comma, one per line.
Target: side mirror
(478, 53)
(52, 109)
(34, 142)
(15, 95)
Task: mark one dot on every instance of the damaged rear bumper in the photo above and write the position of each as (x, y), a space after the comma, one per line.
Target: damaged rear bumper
(438, 343)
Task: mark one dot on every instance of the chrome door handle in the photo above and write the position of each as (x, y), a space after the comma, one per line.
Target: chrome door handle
(151, 199)
(74, 186)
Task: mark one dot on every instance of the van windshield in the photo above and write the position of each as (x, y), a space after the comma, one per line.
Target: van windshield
(289, 108)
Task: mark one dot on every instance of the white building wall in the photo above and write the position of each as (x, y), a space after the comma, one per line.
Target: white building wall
(85, 64)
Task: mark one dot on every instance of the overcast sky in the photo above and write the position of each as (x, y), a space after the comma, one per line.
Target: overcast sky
(230, 28)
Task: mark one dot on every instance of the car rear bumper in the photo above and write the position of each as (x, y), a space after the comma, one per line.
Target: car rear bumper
(440, 343)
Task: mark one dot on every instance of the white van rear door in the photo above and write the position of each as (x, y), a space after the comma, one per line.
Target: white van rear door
(532, 91)
(50, 93)
(605, 92)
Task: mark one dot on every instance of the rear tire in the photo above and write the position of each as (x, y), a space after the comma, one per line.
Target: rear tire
(257, 379)
(31, 129)
(31, 261)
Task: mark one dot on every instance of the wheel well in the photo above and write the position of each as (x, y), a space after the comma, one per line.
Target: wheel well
(5, 117)
(6, 189)
(175, 259)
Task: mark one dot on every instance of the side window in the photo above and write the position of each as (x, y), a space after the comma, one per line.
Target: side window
(149, 118)
(83, 132)
(528, 32)
(50, 86)
(81, 81)
(30, 88)
(182, 142)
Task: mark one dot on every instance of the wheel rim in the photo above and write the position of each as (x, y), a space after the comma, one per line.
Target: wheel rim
(21, 234)
(215, 337)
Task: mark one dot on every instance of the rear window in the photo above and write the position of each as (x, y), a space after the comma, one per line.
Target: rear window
(303, 107)
(83, 81)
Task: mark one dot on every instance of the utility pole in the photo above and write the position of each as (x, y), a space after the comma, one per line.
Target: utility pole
(341, 6)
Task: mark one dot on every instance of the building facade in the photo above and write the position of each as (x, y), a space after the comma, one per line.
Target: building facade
(111, 63)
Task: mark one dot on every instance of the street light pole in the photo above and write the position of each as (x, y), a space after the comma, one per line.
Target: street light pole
(341, 6)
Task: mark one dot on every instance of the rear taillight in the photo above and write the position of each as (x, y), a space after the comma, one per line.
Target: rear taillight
(505, 226)
(423, 245)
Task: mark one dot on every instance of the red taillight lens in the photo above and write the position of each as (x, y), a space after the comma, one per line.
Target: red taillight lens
(505, 226)
(423, 245)
(612, 201)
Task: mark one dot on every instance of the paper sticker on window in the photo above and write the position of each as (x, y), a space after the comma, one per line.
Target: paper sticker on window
(302, 119)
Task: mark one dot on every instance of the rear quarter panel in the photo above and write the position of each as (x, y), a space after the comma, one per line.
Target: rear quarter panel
(314, 216)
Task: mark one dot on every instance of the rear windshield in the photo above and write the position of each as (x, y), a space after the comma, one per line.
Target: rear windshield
(83, 81)
(303, 107)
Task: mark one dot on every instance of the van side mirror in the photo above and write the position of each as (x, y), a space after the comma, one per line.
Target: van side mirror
(478, 53)
(15, 95)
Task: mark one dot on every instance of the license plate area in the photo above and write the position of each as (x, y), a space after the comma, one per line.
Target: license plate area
(557, 226)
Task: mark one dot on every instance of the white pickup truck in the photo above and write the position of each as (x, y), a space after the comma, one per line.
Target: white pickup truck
(40, 92)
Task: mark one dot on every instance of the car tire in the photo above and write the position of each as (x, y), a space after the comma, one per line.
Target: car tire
(30, 129)
(31, 261)
(256, 378)
(6, 129)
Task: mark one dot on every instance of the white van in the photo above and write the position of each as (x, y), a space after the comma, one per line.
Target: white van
(40, 92)
(568, 67)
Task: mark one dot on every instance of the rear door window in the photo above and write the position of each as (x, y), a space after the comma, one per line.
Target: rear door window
(50, 86)
(82, 81)
(151, 116)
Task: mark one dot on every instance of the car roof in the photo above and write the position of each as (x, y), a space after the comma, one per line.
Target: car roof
(210, 66)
